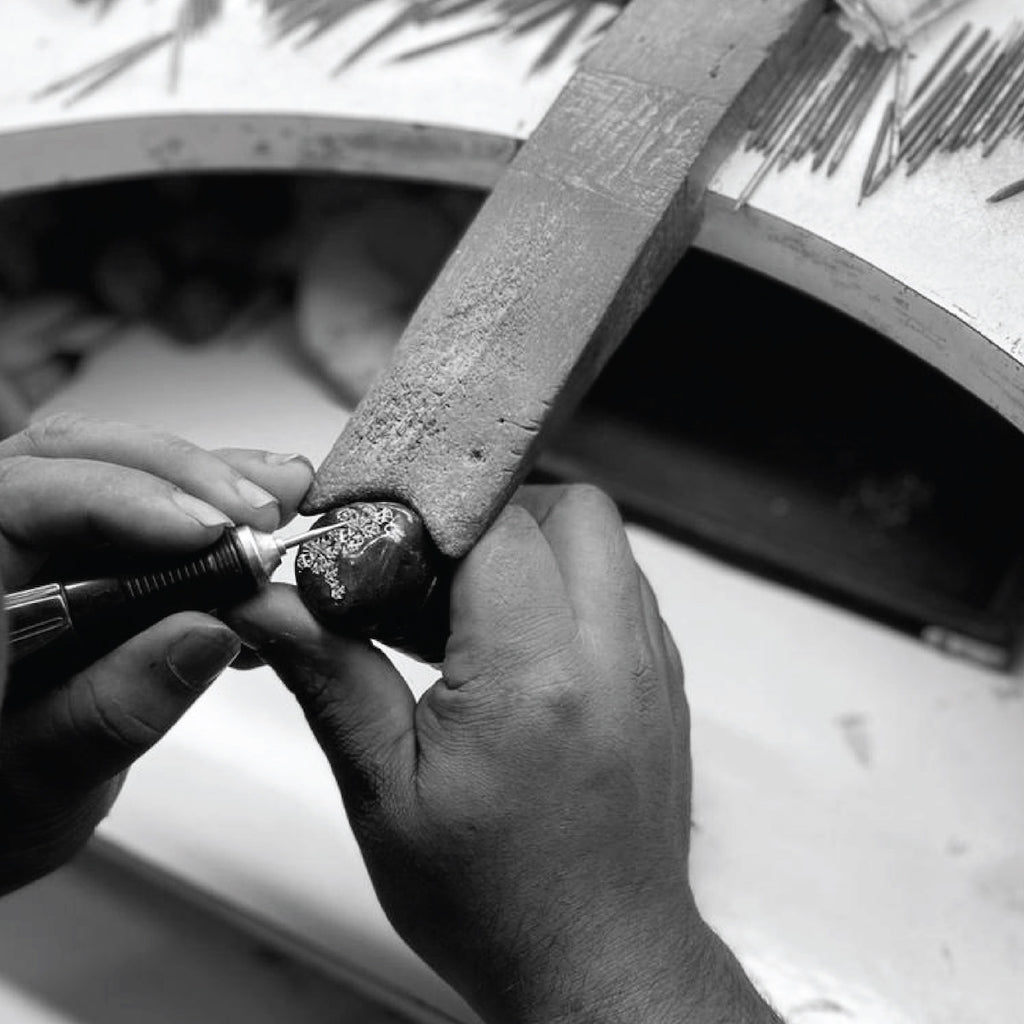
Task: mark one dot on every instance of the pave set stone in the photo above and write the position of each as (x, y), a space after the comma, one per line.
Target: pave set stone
(364, 524)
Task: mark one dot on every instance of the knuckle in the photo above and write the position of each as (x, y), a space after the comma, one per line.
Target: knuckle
(647, 688)
(501, 548)
(53, 434)
(313, 687)
(672, 649)
(565, 700)
(12, 469)
(171, 446)
(530, 639)
(589, 500)
(110, 721)
(644, 678)
(361, 757)
(514, 524)
(179, 446)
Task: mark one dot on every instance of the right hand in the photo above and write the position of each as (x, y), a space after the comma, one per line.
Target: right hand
(67, 485)
(526, 824)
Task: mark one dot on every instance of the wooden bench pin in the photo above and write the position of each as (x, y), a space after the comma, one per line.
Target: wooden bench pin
(574, 241)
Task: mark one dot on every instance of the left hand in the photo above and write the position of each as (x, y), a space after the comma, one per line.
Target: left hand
(66, 483)
(526, 823)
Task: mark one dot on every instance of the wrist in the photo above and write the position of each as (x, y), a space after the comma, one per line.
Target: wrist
(683, 975)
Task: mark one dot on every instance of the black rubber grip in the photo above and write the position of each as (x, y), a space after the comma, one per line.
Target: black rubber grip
(220, 574)
(105, 612)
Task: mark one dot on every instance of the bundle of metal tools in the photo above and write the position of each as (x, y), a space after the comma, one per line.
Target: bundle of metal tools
(970, 96)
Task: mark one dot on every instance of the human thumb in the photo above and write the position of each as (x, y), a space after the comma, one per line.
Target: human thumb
(357, 704)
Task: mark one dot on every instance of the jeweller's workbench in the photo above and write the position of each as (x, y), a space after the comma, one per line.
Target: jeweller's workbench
(859, 815)
(857, 806)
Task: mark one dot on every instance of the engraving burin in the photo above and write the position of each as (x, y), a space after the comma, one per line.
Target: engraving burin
(363, 525)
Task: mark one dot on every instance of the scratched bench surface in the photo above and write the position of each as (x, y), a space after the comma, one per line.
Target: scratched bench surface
(859, 811)
(925, 260)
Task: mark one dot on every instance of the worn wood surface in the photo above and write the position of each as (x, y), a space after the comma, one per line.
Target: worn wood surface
(575, 239)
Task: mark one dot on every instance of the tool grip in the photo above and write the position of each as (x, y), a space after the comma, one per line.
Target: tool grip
(103, 613)
(110, 610)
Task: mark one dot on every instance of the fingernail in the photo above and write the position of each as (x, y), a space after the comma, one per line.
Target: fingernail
(255, 496)
(278, 459)
(205, 515)
(202, 654)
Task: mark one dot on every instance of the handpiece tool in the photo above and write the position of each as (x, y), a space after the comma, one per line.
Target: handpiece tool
(67, 625)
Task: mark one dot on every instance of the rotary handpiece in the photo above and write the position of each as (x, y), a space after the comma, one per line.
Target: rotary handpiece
(71, 624)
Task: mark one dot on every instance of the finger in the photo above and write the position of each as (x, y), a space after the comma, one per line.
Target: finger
(60, 504)
(190, 467)
(509, 606)
(359, 707)
(540, 499)
(79, 735)
(286, 477)
(585, 532)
